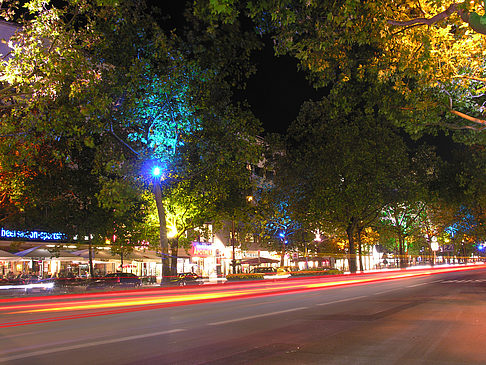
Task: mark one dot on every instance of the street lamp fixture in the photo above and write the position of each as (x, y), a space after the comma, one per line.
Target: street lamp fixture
(156, 171)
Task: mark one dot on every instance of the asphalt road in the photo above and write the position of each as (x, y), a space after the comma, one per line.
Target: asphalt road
(387, 318)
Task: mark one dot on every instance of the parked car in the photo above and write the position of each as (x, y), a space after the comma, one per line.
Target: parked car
(187, 278)
(68, 281)
(284, 270)
(264, 270)
(117, 279)
(24, 279)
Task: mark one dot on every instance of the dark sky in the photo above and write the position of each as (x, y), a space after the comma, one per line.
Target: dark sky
(277, 90)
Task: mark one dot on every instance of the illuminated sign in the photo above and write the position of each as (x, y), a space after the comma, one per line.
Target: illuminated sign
(434, 245)
(201, 249)
(30, 235)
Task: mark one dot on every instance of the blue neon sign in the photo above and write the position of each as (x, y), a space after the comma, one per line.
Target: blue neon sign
(31, 235)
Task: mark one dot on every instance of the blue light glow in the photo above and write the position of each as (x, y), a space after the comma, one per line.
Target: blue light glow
(31, 235)
(156, 171)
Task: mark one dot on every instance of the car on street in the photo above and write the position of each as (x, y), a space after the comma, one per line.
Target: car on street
(269, 272)
(264, 270)
(186, 278)
(118, 279)
(284, 270)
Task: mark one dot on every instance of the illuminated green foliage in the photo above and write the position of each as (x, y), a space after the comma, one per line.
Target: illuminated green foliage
(106, 78)
(432, 52)
(343, 158)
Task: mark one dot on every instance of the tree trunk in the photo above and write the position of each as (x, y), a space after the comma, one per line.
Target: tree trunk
(233, 243)
(401, 252)
(164, 242)
(282, 257)
(90, 258)
(361, 268)
(174, 248)
(350, 230)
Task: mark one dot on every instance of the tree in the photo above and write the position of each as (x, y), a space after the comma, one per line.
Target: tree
(402, 221)
(462, 187)
(70, 86)
(108, 72)
(281, 228)
(192, 204)
(430, 51)
(343, 156)
(411, 198)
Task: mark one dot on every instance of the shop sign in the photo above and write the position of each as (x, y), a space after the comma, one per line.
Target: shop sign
(30, 235)
(447, 248)
(200, 249)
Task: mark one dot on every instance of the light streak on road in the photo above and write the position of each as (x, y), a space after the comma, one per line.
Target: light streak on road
(142, 302)
(215, 294)
(122, 302)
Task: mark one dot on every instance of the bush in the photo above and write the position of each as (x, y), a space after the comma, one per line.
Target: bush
(316, 272)
(236, 277)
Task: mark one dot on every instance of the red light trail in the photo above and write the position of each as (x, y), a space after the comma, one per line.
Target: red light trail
(100, 304)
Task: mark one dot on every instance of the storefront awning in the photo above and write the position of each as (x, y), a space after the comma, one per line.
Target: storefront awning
(315, 258)
(254, 261)
(97, 255)
(135, 255)
(7, 256)
(44, 254)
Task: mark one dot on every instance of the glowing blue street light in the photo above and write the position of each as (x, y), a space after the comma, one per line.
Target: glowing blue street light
(156, 171)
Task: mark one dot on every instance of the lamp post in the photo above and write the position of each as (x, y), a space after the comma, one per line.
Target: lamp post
(434, 245)
(317, 240)
(284, 241)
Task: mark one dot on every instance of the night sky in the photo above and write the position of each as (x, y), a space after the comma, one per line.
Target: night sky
(277, 90)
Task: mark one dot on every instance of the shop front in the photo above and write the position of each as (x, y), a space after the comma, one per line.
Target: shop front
(208, 259)
(7, 263)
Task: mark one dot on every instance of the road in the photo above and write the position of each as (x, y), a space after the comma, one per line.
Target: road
(409, 317)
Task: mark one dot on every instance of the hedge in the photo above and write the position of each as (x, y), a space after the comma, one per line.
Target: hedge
(234, 277)
(316, 272)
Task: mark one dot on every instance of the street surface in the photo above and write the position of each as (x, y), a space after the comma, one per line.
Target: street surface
(429, 316)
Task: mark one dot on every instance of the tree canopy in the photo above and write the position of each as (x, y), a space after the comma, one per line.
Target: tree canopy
(344, 158)
(431, 51)
(106, 77)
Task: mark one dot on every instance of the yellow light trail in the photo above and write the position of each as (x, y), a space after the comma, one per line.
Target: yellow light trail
(141, 302)
(98, 304)
(217, 294)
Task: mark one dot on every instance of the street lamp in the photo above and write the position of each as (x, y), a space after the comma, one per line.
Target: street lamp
(317, 240)
(435, 247)
(156, 171)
